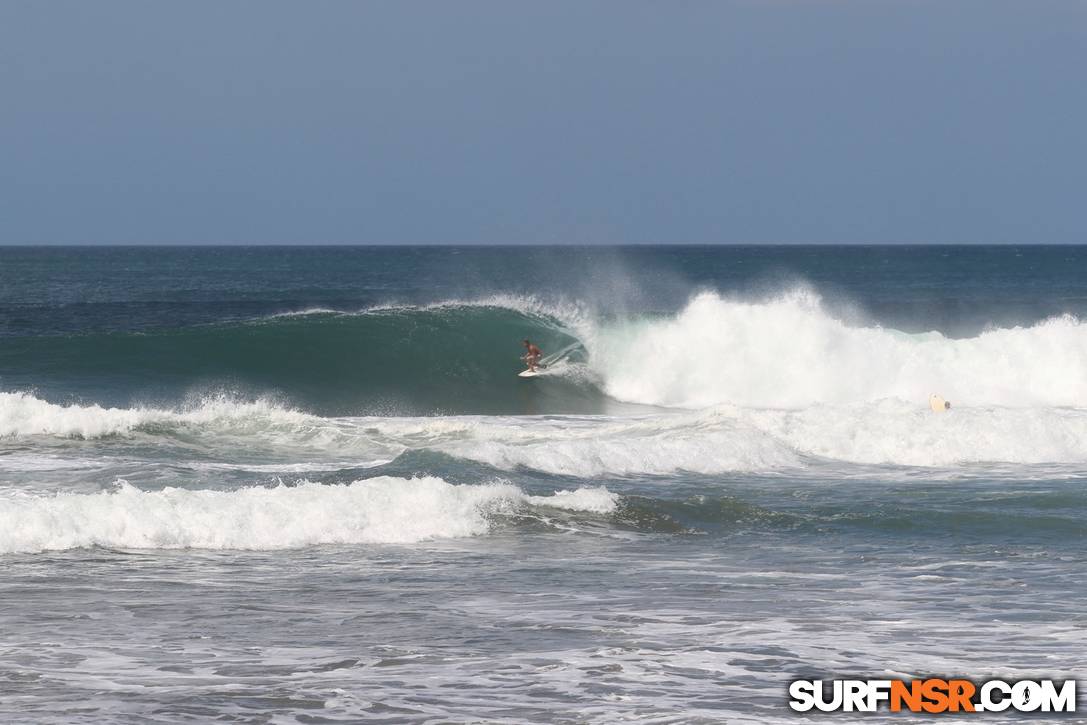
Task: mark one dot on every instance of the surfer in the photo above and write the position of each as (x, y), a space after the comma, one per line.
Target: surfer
(532, 355)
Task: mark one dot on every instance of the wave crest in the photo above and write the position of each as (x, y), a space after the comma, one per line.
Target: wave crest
(380, 510)
(789, 352)
(22, 414)
(719, 439)
(461, 357)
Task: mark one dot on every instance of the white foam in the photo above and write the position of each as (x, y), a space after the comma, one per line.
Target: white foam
(790, 352)
(590, 447)
(307, 312)
(22, 414)
(716, 440)
(595, 500)
(772, 384)
(734, 439)
(899, 432)
(376, 510)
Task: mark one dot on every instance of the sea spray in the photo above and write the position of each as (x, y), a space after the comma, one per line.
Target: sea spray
(455, 357)
(789, 352)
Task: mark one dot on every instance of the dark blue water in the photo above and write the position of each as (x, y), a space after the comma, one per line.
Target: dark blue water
(56, 290)
(307, 484)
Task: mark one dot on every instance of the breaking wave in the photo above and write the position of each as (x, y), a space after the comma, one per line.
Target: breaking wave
(713, 440)
(789, 352)
(452, 357)
(403, 511)
(383, 510)
(786, 351)
(721, 385)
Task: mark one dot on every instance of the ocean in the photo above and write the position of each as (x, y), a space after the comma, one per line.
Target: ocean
(305, 484)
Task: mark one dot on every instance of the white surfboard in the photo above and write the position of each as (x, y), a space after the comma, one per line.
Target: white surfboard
(528, 373)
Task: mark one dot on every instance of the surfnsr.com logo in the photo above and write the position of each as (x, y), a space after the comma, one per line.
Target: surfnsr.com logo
(932, 695)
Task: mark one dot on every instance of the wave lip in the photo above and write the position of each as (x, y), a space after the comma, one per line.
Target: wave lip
(452, 357)
(461, 356)
(383, 510)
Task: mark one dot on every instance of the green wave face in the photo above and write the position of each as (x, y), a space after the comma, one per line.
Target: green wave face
(450, 359)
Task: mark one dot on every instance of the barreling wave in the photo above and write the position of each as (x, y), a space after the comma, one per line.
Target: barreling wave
(382, 510)
(450, 357)
(785, 352)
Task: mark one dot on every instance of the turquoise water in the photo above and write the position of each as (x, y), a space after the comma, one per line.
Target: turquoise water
(306, 484)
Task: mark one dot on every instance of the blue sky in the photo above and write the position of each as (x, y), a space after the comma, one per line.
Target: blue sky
(504, 122)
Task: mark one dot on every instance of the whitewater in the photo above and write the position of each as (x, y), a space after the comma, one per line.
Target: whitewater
(789, 352)
(723, 384)
(280, 482)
